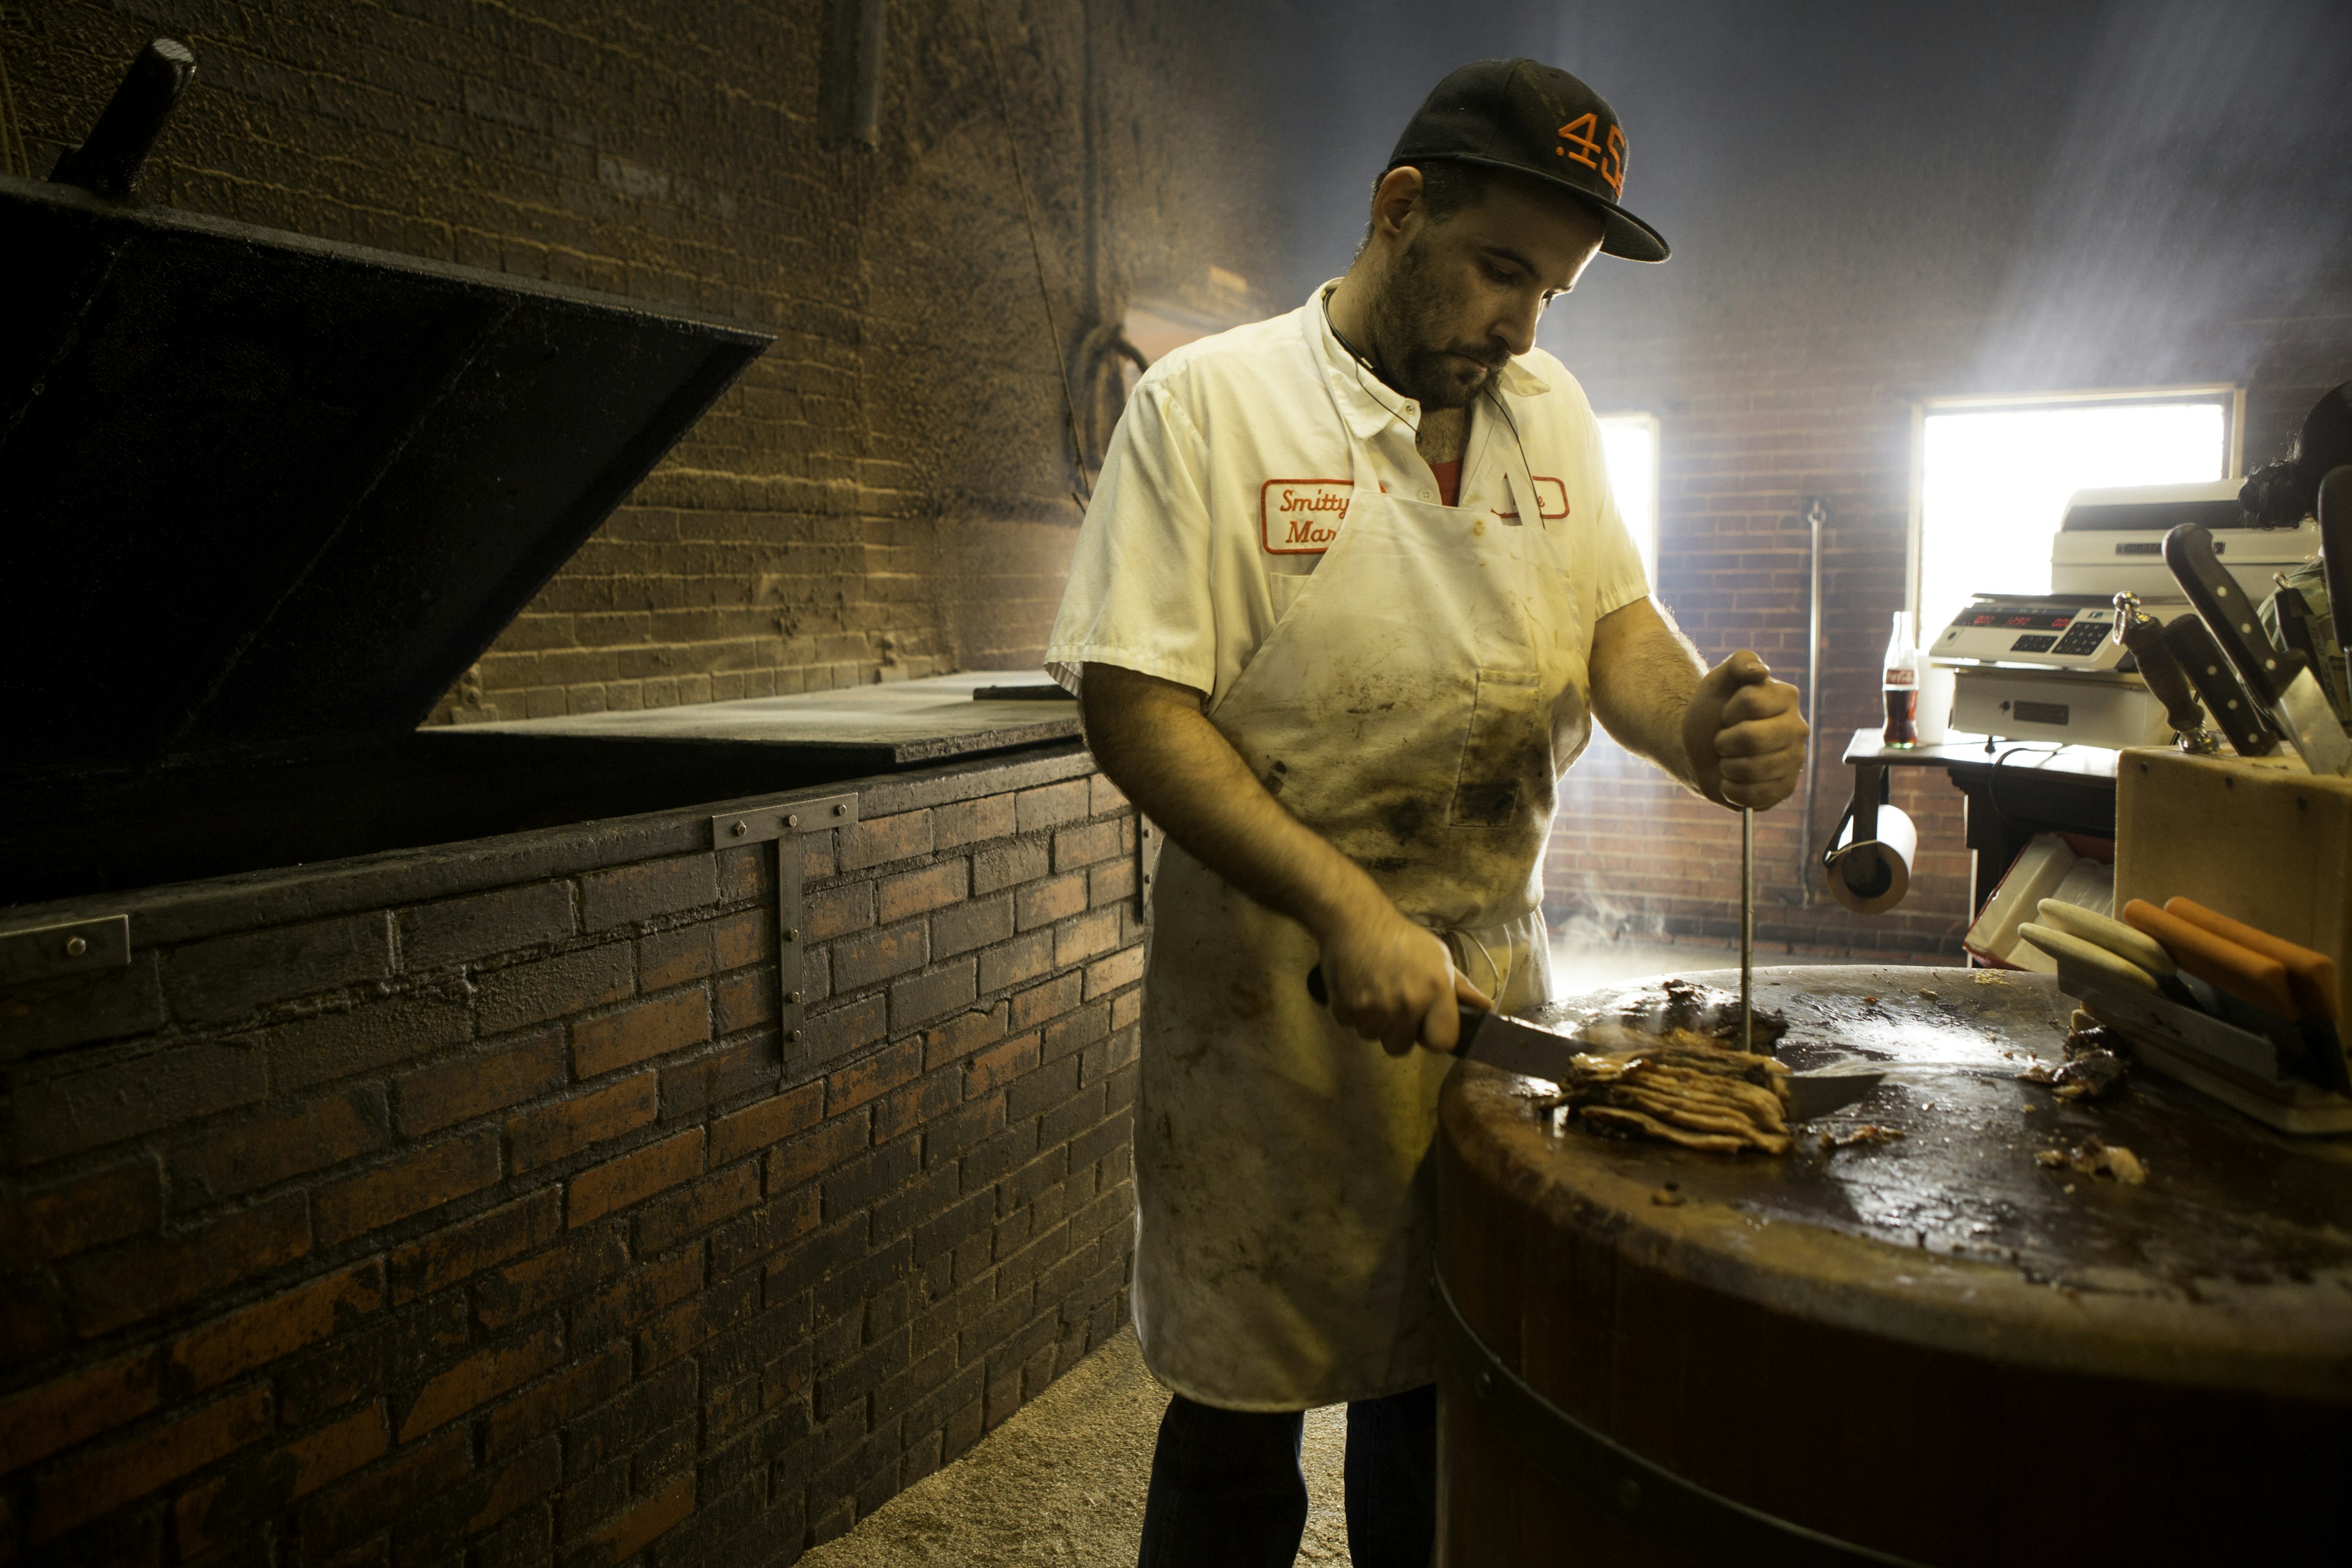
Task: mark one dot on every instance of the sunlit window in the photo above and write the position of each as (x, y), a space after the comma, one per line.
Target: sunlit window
(1993, 480)
(1629, 444)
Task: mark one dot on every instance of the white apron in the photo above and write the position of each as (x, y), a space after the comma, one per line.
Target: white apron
(1415, 706)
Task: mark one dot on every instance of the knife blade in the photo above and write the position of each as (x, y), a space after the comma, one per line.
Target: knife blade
(2208, 671)
(2279, 681)
(1533, 1051)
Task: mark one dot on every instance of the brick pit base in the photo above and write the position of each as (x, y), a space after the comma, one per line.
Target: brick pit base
(466, 1204)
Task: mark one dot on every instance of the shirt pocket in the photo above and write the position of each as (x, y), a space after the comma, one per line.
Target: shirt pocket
(1505, 774)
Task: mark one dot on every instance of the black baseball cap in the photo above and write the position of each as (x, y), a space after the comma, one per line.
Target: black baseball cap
(1526, 115)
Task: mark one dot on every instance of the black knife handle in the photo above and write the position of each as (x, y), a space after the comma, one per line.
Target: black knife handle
(1471, 1016)
(2235, 714)
(2228, 612)
(2335, 552)
(2143, 634)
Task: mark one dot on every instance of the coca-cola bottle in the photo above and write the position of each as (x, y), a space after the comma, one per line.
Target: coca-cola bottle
(1902, 686)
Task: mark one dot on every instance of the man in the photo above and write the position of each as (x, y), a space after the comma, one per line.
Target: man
(1352, 590)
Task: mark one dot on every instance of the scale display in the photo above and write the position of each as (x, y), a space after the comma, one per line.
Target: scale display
(2018, 617)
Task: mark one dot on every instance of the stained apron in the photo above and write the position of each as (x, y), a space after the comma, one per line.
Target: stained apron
(1413, 706)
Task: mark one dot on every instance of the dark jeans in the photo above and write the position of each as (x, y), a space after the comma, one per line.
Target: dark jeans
(1227, 1492)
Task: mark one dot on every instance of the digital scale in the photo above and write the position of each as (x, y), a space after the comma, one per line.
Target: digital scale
(2046, 667)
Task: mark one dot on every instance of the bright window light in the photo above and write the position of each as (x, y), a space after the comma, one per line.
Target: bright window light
(1994, 483)
(1629, 443)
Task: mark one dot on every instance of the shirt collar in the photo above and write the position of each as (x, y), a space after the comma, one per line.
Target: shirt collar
(1367, 403)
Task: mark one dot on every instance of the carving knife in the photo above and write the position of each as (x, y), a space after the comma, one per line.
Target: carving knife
(2278, 681)
(2143, 635)
(1534, 1052)
(2202, 660)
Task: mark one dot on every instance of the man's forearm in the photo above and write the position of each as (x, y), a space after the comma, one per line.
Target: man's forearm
(1152, 740)
(1644, 674)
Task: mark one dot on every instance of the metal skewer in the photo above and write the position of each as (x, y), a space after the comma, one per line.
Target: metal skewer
(1747, 928)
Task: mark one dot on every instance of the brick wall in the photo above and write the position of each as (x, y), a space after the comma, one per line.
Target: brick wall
(468, 1200)
(889, 492)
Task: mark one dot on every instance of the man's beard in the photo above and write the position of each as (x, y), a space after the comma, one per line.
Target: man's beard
(1410, 301)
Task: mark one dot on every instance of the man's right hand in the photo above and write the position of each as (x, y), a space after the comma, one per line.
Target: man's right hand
(1394, 982)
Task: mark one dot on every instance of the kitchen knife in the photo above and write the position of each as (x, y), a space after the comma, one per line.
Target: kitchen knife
(2336, 554)
(2278, 681)
(2143, 635)
(2232, 709)
(1533, 1052)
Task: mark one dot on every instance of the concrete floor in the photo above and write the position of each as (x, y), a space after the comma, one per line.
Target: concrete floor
(1061, 1482)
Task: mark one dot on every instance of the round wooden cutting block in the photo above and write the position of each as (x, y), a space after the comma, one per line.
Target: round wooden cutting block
(1935, 1350)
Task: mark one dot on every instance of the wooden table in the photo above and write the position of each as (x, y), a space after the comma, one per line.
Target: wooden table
(2014, 790)
(1936, 1350)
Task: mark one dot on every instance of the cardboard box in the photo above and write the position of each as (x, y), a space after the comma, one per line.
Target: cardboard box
(2260, 839)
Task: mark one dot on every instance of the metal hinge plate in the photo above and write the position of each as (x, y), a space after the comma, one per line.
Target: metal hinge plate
(784, 825)
(76, 947)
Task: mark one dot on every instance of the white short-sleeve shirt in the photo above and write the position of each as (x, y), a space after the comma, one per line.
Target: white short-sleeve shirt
(1229, 475)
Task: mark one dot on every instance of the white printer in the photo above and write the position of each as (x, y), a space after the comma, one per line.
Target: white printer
(2046, 667)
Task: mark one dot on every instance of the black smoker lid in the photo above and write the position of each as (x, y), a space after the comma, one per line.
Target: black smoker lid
(259, 487)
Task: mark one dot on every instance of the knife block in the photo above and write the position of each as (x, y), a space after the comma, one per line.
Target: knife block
(2259, 838)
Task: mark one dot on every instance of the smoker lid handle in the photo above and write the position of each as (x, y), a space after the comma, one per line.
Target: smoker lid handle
(111, 160)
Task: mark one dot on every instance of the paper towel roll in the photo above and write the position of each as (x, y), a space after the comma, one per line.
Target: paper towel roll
(1872, 876)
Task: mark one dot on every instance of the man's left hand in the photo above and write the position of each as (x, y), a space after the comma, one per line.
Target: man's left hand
(1744, 735)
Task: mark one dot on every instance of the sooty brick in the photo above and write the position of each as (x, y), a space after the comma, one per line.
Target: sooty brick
(640, 1031)
(1051, 806)
(886, 839)
(407, 1185)
(479, 1082)
(917, 1001)
(459, 930)
(919, 892)
(973, 821)
(628, 894)
(1042, 903)
(1017, 962)
(554, 1131)
(227, 977)
(118, 1285)
(269, 1329)
(462, 1250)
(972, 925)
(838, 1030)
(334, 1045)
(550, 988)
(56, 1221)
(861, 959)
(84, 1488)
(547, 1279)
(634, 1177)
(83, 1009)
(765, 1122)
(65, 1115)
(1001, 866)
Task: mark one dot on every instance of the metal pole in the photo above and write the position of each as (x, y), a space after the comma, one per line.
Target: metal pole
(1747, 928)
(1817, 514)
